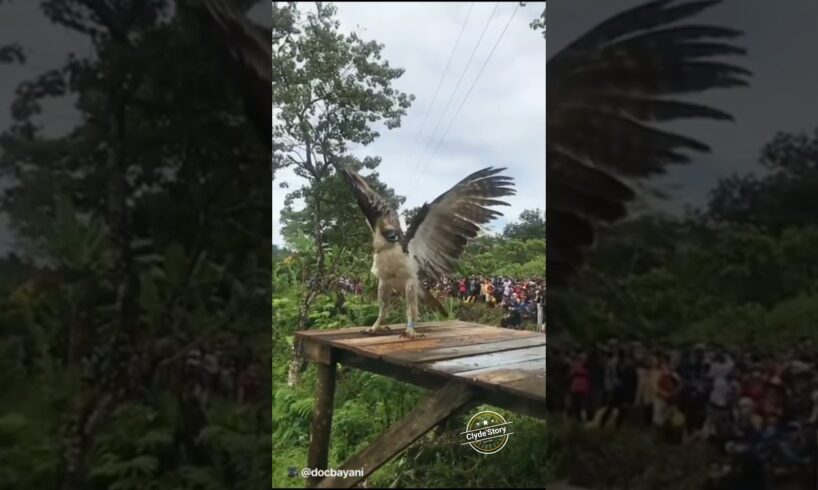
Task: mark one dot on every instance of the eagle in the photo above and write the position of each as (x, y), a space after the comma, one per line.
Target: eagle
(604, 89)
(433, 242)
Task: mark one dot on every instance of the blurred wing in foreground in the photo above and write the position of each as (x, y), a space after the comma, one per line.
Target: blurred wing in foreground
(603, 91)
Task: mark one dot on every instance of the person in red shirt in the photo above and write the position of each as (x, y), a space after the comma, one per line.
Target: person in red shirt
(753, 387)
(669, 384)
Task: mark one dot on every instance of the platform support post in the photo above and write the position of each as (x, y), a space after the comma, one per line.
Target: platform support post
(321, 425)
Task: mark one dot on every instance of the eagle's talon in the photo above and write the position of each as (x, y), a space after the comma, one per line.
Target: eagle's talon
(411, 333)
(374, 330)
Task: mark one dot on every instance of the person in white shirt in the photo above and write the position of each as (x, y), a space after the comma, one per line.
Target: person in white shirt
(720, 394)
(721, 367)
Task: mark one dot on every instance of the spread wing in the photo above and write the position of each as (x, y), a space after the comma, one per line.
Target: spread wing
(439, 232)
(371, 203)
(603, 91)
(247, 50)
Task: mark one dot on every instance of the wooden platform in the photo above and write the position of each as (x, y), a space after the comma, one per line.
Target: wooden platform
(466, 363)
(508, 364)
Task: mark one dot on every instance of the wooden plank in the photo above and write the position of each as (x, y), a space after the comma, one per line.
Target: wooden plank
(534, 384)
(531, 407)
(395, 337)
(405, 374)
(424, 344)
(334, 332)
(404, 432)
(323, 332)
(457, 351)
(490, 360)
(384, 351)
(329, 336)
(394, 343)
(487, 393)
(423, 375)
(321, 423)
(501, 375)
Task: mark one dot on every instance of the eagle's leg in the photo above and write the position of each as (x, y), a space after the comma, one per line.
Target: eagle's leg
(412, 291)
(384, 294)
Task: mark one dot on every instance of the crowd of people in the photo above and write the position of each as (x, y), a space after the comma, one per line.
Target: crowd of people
(350, 286)
(751, 405)
(214, 373)
(207, 373)
(522, 299)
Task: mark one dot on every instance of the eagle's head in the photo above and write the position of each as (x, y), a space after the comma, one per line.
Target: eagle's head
(386, 234)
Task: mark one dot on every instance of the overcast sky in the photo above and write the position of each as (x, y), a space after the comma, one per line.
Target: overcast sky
(781, 41)
(502, 122)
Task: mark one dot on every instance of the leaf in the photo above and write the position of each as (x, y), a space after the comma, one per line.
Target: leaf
(175, 265)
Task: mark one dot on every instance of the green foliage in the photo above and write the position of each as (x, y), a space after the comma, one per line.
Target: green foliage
(367, 404)
(718, 284)
(529, 226)
(478, 313)
(141, 454)
(624, 459)
(28, 451)
(783, 196)
(186, 215)
(500, 256)
(439, 461)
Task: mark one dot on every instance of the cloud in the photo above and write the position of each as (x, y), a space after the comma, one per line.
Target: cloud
(502, 123)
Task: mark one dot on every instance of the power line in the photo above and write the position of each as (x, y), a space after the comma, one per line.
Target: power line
(451, 123)
(440, 83)
(451, 97)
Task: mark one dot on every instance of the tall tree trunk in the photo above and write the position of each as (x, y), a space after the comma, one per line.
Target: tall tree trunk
(314, 287)
(95, 399)
(297, 362)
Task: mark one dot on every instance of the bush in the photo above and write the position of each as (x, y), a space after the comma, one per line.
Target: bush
(478, 313)
(626, 458)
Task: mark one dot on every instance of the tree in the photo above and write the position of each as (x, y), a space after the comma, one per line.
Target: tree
(137, 219)
(781, 198)
(342, 224)
(410, 213)
(328, 89)
(539, 23)
(531, 225)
